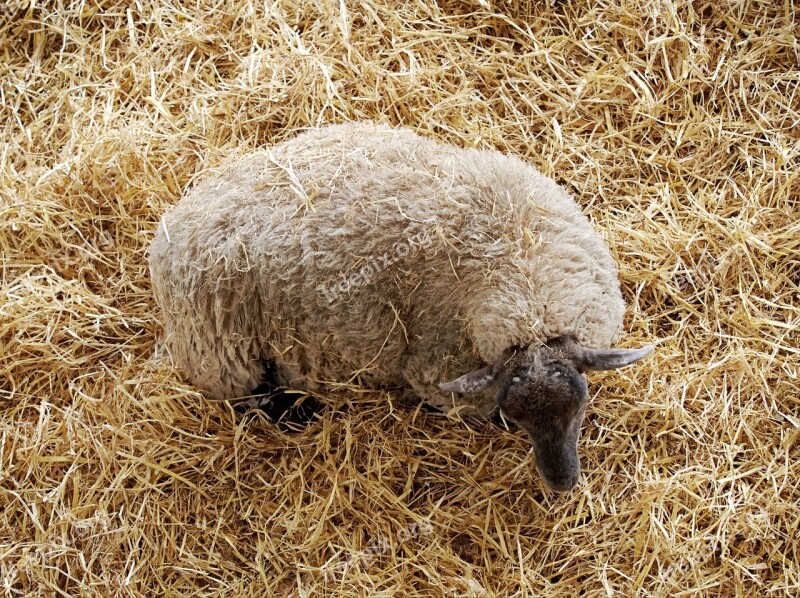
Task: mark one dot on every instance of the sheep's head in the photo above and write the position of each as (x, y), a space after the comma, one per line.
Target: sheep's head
(541, 389)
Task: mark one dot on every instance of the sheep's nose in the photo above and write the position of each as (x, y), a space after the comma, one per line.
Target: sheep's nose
(562, 483)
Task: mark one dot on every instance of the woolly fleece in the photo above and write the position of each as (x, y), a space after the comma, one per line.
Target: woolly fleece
(360, 253)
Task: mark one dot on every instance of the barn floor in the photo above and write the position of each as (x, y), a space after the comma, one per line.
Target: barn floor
(675, 124)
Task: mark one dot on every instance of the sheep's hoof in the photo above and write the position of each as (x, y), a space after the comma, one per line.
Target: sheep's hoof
(290, 410)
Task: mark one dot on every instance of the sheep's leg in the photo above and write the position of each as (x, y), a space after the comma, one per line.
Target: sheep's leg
(231, 370)
(224, 368)
(209, 336)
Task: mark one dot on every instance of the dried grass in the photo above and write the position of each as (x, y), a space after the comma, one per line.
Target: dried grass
(676, 124)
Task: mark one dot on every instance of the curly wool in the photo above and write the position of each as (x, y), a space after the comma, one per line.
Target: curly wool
(368, 254)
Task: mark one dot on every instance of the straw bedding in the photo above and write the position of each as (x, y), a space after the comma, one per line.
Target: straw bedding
(676, 125)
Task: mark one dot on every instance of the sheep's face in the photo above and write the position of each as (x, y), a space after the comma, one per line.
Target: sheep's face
(546, 396)
(542, 389)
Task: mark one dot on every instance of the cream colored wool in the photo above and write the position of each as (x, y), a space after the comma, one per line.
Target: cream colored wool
(363, 253)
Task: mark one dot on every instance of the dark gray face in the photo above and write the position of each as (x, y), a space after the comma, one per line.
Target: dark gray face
(542, 389)
(547, 398)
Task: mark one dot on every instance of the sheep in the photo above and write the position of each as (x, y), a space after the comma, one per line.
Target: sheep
(365, 254)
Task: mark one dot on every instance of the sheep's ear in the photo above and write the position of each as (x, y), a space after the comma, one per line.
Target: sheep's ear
(611, 359)
(473, 382)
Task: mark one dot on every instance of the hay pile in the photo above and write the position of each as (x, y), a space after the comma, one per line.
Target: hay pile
(675, 124)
